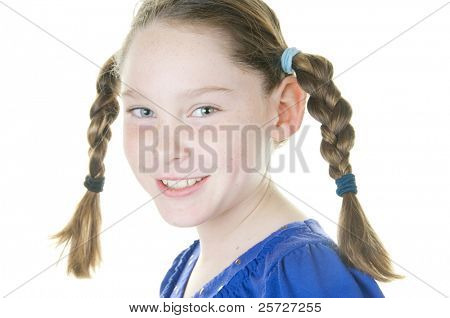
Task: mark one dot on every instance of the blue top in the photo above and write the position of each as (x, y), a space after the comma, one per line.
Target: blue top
(297, 260)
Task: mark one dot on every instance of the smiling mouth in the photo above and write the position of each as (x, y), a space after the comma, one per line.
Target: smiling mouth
(181, 183)
(181, 187)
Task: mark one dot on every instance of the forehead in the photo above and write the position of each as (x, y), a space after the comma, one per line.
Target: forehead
(179, 58)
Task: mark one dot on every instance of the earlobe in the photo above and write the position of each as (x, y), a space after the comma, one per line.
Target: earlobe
(281, 131)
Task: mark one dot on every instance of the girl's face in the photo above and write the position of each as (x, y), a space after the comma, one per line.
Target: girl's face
(166, 65)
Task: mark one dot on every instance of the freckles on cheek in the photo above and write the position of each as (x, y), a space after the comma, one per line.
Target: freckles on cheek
(233, 157)
(140, 148)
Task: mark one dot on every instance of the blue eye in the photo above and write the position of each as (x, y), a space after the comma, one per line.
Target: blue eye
(207, 112)
(142, 111)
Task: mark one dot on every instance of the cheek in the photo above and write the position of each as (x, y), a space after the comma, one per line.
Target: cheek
(238, 178)
(130, 138)
(243, 165)
(139, 159)
(240, 151)
(249, 143)
(132, 145)
(249, 150)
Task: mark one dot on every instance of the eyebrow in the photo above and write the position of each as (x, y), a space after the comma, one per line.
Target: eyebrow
(207, 89)
(189, 92)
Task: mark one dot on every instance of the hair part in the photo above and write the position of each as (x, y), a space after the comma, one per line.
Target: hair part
(256, 43)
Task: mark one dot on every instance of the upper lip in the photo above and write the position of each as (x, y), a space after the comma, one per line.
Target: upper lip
(175, 178)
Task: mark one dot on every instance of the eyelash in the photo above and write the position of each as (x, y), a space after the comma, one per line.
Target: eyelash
(144, 108)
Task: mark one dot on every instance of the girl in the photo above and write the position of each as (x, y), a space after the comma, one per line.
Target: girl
(228, 58)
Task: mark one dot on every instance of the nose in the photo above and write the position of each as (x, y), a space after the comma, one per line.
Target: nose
(173, 146)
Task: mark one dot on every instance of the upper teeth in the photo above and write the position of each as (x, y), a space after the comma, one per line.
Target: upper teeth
(176, 184)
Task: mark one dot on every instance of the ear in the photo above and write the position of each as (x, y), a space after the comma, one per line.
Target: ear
(287, 107)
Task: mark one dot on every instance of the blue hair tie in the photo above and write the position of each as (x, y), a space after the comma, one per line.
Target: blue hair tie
(345, 184)
(94, 184)
(286, 59)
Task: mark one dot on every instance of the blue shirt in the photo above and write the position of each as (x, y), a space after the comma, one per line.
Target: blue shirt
(297, 260)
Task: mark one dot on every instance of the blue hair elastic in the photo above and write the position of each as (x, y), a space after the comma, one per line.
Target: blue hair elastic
(345, 184)
(94, 184)
(286, 59)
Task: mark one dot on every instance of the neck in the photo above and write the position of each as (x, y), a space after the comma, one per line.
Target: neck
(234, 231)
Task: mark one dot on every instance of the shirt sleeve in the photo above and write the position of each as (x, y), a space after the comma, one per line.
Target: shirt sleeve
(315, 270)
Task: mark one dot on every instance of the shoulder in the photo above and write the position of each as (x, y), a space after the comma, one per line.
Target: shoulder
(314, 268)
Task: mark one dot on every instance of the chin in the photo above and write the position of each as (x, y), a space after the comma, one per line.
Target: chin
(178, 220)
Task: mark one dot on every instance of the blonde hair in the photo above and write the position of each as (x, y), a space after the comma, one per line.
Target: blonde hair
(257, 44)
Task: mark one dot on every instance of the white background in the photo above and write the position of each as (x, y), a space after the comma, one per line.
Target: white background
(397, 81)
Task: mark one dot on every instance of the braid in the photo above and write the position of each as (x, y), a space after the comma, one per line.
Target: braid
(83, 228)
(359, 246)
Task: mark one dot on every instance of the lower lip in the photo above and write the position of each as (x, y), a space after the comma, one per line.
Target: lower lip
(183, 191)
